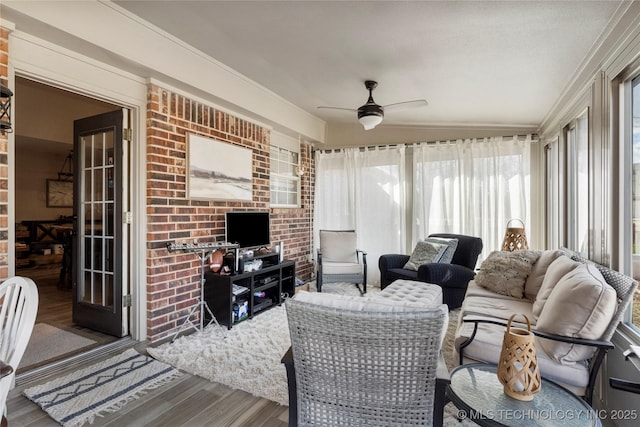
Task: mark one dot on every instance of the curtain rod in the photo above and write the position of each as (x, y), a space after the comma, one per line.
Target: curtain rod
(534, 138)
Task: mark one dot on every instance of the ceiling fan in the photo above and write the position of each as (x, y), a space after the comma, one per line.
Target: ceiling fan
(370, 114)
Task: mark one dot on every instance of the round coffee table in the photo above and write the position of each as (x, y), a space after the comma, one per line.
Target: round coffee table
(479, 396)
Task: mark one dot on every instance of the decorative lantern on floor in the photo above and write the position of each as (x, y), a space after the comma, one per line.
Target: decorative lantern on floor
(514, 238)
(518, 365)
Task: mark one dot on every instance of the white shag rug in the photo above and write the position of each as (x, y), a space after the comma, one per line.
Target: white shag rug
(75, 399)
(249, 357)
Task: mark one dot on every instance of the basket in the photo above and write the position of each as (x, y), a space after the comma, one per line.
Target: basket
(515, 238)
(518, 366)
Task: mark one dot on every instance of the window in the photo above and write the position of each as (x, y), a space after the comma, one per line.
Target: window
(363, 190)
(577, 142)
(285, 163)
(472, 186)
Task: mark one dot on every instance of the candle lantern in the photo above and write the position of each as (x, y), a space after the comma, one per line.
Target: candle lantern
(518, 366)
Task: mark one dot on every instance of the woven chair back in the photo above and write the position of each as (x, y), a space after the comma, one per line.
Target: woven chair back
(359, 368)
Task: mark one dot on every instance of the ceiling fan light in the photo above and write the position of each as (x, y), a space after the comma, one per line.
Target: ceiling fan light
(370, 121)
(370, 115)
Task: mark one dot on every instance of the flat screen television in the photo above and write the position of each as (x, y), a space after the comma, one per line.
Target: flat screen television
(247, 229)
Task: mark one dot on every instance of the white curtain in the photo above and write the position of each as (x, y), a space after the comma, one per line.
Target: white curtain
(363, 190)
(472, 187)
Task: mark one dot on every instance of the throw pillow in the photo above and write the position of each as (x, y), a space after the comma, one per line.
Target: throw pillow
(425, 252)
(557, 269)
(452, 245)
(534, 281)
(505, 272)
(581, 305)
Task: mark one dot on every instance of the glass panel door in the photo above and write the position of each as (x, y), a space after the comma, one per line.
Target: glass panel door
(97, 217)
(101, 239)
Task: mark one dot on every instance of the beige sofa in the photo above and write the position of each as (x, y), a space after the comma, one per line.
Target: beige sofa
(573, 304)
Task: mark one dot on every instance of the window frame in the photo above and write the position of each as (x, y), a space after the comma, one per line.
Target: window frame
(574, 196)
(625, 85)
(282, 143)
(552, 192)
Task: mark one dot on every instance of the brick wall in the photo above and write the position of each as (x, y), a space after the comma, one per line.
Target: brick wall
(4, 168)
(173, 286)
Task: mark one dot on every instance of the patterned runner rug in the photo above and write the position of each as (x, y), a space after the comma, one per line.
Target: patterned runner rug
(78, 397)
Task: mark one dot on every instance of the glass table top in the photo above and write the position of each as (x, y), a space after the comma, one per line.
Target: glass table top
(477, 392)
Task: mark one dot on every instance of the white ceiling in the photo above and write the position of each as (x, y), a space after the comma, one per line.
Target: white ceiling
(499, 63)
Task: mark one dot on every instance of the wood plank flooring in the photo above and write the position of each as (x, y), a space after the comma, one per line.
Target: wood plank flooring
(187, 401)
(54, 307)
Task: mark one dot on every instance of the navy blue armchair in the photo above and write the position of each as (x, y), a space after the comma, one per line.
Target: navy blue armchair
(453, 278)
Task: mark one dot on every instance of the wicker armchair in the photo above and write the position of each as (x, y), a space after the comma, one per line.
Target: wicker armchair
(361, 366)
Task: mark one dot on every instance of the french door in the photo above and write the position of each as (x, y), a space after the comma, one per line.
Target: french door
(100, 244)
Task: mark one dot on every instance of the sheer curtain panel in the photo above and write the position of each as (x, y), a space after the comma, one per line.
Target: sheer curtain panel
(363, 190)
(472, 187)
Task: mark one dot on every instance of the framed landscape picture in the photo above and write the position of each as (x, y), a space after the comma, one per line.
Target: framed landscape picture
(218, 170)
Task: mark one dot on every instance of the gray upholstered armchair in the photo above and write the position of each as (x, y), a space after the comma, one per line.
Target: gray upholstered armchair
(339, 260)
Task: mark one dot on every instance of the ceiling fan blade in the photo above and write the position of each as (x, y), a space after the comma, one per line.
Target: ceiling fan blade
(399, 106)
(339, 108)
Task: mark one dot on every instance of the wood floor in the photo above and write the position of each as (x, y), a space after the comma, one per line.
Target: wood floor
(187, 401)
(54, 307)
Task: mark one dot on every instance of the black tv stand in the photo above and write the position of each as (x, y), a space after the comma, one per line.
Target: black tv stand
(268, 260)
(276, 280)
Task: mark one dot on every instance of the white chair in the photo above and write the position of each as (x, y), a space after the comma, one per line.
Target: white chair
(19, 298)
(339, 260)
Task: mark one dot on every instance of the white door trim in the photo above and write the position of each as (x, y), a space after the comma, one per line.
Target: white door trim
(57, 66)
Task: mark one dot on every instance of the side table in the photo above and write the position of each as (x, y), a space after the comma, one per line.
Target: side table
(478, 394)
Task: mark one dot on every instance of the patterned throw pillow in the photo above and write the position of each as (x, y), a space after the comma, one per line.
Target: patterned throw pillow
(425, 252)
(452, 245)
(505, 273)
